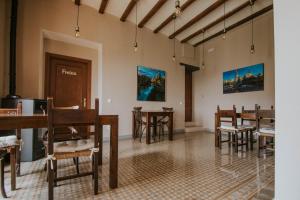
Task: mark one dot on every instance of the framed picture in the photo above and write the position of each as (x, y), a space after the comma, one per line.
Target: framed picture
(244, 79)
(150, 84)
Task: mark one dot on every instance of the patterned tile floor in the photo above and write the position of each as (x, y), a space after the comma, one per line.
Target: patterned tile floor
(188, 168)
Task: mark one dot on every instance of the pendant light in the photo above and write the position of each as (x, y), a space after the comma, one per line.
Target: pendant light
(177, 7)
(135, 44)
(174, 42)
(203, 63)
(252, 48)
(224, 30)
(77, 31)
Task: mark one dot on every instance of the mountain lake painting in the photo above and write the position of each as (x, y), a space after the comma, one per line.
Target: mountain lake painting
(150, 84)
(244, 79)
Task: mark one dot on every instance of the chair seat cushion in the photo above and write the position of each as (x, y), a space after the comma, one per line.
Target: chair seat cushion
(266, 131)
(248, 127)
(8, 141)
(231, 128)
(74, 145)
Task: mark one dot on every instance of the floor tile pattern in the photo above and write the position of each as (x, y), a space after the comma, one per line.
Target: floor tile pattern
(188, 168)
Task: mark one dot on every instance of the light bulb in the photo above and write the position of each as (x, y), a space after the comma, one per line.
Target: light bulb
(177, 8)
(135, 46)
(252, 50)
(203, 65)
(77, 32)
(174, 58)
(224, 34)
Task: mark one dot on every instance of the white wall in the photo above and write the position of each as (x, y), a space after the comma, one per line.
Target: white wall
(119, 61)
(232, 53)
(287, 40)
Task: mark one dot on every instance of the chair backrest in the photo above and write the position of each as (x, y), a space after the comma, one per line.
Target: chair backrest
(227, 116)
(248, 115)
(137, 111)
(167, 109)
(66, 117)
(12, 111)
(265, 117)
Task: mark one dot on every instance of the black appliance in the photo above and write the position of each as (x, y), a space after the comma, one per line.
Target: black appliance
(32, 148)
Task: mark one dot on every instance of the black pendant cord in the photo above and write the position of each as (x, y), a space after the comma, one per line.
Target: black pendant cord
(224, 21)
(12, 59)
(77, 22)
(136, 25)
(203, 48)
(252, 27)
(174, 42)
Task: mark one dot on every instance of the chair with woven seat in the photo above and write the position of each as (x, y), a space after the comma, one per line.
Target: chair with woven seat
(60, 118)
(265, 123)
(229, 117)
(10, 144)
(164, 122)
(250, 117)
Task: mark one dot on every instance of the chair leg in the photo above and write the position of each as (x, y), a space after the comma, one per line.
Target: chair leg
(76, 162)
(55, 172)
(258, 146)
(247, 140)
(13, 168)
(229, 139)
(50, 181)
(236, 142)
(95, 174)
(251, 140)
(18, 161)
(2, 178)
(220, 139)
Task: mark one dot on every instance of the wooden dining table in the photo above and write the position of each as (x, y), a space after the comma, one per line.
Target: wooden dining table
(13, 122)
(151, 117)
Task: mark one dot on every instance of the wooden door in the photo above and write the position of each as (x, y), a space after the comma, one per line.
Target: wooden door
(68, 80)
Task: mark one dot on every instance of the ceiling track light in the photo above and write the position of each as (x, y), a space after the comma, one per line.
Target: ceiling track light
(224, 22)
(77, 29)
(177, 7)
(135, 44)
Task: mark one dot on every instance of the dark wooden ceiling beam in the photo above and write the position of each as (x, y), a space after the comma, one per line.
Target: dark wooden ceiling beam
(103, 6)
(170, 18)
(243, 21)
(128, 9)
(217, 21)
(152, 12)
(198, 17)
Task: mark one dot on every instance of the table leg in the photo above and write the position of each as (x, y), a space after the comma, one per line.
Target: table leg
(148, 137)
(216, 131)
(133, 126)
(18, 154)
(100, 155)
(13, 168)
(2, 185)
(170, 128)
(154, 127)
(113, 165)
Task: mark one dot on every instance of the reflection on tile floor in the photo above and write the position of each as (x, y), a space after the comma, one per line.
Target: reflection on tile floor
(190, 167)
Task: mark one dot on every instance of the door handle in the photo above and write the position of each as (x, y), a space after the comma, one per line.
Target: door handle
(84, 102)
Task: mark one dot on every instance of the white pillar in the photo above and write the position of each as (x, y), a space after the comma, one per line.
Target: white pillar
(287, 98)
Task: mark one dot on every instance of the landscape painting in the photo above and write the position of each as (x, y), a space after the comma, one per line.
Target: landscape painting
(244, 79)
(150, 84)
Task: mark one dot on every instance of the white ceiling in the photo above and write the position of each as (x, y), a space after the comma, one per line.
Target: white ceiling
(117, 7)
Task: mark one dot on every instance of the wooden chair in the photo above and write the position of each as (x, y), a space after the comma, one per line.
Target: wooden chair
(61, 117)
(163, 122)
(10, 144)
(265, 123)
(249, 116)
(233, 130)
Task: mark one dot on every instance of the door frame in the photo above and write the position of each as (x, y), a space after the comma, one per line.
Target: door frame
(88, 63)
